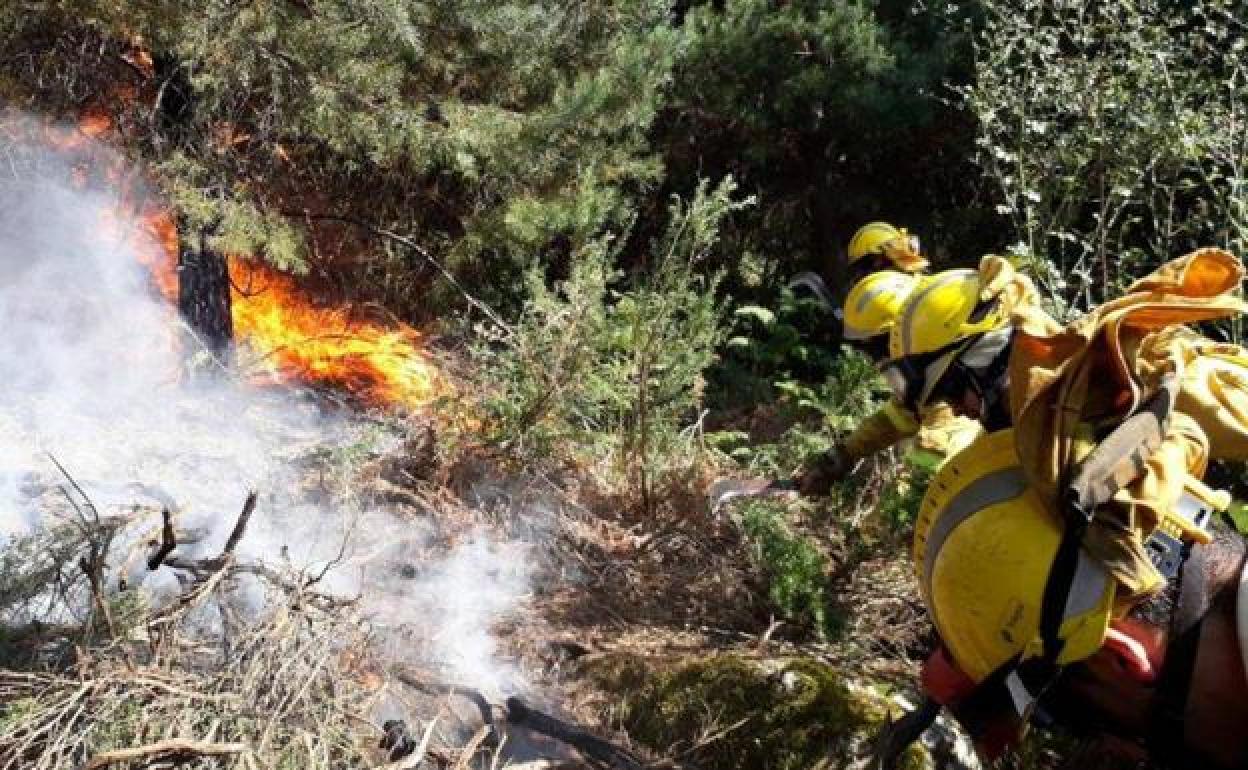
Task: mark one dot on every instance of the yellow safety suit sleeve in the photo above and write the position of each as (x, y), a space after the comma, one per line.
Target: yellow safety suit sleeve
(1119, 528)
(890, 424)
(942, 432)
(999, 280)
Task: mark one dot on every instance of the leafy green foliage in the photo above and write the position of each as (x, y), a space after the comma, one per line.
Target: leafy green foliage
(608, 365)
(833, 112)
(899, 504)
(781, 359)
(795, 569)
(784, 344)
(495, 131)
(1115, 134)
(1238, 515)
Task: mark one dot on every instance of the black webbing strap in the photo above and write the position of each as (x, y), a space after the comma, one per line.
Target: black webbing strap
(1117, 460)
(994, 392)
(1170, 702)
(1057, 587)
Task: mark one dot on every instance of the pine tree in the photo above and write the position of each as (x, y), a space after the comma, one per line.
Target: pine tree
(834, 115)
(495, 133)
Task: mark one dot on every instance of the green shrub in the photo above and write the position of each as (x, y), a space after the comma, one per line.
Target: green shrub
(1099, 182)
(604, 365)
(772, 715)
(795, 569)
(899, 505)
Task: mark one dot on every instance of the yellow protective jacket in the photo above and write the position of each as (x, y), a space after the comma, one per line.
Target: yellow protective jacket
(1214, 391)
(1099, 369)
(935, 429)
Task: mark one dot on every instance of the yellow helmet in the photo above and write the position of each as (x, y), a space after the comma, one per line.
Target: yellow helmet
(882, 239)
(944, 320)
(983, 546)
(875, 303)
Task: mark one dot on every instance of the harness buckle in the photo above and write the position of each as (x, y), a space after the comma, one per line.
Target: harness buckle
(1165, 552)
(1187, 522)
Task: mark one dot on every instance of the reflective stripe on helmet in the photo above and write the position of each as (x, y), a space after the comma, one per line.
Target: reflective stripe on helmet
(994, 488)
(860, 307)
(909, 318)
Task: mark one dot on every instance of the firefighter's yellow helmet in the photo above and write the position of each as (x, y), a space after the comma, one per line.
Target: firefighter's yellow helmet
(945, 320)
(893, 243)
(875, 303)
(945, 310)
(983, 546)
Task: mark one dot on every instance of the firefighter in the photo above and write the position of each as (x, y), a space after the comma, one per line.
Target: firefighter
(870, 313)
(885, 267)
(1085, 497)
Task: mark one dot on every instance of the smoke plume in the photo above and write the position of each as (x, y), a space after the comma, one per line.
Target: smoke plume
(91, 377)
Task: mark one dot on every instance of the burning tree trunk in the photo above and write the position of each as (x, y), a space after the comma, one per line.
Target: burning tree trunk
(204, 295)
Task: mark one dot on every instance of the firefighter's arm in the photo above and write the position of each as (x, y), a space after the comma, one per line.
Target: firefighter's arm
(890, 424)
(1000, 280)
(1120, 528)
(1183, 452)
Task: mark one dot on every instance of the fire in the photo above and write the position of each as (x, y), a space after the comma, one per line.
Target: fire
(158, 250)
(285, 336)
(293, 339)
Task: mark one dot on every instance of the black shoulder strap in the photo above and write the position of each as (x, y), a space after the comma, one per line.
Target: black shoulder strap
(1117, 460)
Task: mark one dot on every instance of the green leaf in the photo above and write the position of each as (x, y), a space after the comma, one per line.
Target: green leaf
(761, 314)
(1238, 513)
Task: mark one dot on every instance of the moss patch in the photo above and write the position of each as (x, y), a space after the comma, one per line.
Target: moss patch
(741, 712)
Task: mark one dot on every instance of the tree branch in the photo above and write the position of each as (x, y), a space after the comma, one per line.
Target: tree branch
(163, 748)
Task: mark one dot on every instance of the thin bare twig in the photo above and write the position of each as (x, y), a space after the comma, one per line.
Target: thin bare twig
(410, 243)
(164, 748)
(470, 750)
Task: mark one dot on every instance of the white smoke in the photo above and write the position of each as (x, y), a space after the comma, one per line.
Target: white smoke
(448, 607)
(89, 376)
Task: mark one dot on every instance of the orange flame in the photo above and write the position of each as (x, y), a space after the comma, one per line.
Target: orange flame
(158, 250)
(290, 338)
(293, 339)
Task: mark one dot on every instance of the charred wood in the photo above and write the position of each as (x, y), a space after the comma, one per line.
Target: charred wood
(590, 745)
(204, 294)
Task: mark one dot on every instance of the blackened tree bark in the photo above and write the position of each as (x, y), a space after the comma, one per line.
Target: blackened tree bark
(204, 294)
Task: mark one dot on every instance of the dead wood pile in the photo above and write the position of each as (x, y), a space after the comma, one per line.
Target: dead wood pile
(244, 665)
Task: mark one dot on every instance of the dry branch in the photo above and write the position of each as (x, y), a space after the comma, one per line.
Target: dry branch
(171, 748)
(240, 526)
(470, 749)
(168, 541)
(418, 681)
